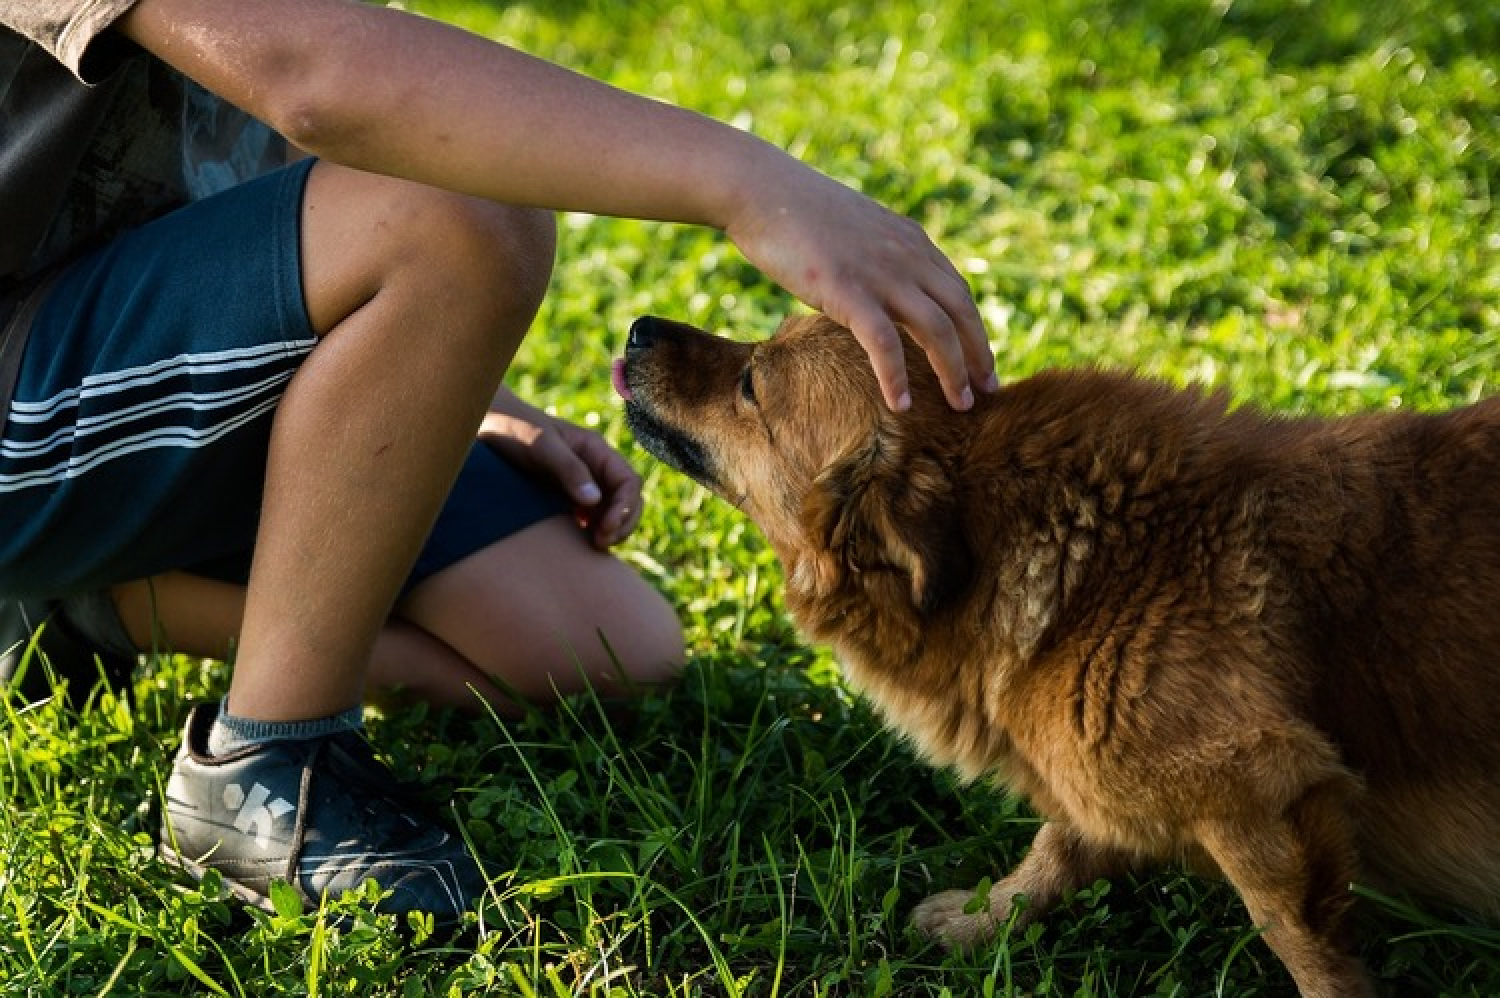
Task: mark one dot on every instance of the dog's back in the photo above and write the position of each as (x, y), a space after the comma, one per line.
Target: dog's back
(1368, 549)
(1397, 550)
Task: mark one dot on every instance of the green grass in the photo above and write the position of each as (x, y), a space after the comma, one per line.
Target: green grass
(1292, 200)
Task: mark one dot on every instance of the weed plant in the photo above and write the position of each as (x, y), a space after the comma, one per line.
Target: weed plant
(1288, 199)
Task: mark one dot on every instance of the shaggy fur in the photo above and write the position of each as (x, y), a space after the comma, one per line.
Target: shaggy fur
(1266, 646)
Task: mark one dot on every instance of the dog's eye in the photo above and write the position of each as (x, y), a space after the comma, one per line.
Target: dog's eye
(747, 385)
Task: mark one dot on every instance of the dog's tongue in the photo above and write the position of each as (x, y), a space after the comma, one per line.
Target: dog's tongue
(617, 377)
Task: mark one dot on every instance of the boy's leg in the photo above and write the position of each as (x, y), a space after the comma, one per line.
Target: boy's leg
(546, 613)
(541, 611)
(420, 300)
(341, 503)
(150, 395)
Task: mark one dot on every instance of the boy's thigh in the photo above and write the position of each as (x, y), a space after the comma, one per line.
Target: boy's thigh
(137, 436)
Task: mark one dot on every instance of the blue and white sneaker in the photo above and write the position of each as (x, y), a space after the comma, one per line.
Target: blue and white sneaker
(323, 814)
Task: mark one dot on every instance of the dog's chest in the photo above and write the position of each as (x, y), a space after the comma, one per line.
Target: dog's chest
(984, 722)
(948, 723)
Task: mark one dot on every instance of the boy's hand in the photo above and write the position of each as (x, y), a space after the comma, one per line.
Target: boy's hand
(605, 489)
(867, 269)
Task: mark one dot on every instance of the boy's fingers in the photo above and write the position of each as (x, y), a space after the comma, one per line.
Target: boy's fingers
(615, 524)
(950, 292)
(955, 298)
(882, 344)
(948, 350)
(553, 452)
(934, 330)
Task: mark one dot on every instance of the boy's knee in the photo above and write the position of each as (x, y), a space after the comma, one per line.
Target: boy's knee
(507, 251)
(364, 234)
(491, 254)
(655, 649)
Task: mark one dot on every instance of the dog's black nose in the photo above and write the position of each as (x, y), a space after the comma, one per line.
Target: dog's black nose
(642, 333)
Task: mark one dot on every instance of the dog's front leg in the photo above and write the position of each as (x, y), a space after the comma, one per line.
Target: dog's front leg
(1060, 861)
(1293, 873)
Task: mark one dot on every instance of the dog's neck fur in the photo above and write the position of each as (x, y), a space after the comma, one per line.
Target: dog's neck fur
(1070, 507)
(869, 630)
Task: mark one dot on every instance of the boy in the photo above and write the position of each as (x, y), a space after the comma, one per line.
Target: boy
(246, 395)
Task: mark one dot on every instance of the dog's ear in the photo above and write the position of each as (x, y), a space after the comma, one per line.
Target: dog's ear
(876, 511)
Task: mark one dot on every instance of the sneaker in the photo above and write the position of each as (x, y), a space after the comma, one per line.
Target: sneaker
(64, 653)
(323, 815)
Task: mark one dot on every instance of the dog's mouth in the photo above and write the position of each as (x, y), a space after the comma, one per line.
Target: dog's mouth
(660, 439)
(618, 379)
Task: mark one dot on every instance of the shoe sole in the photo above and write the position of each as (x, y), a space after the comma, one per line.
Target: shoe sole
(446, 927)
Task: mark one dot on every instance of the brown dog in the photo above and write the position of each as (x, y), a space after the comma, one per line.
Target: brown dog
(1268, 646)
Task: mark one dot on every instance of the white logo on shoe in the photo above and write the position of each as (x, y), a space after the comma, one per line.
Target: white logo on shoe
(253, 813)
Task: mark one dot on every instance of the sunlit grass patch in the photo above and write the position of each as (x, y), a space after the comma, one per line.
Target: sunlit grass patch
(1290, 200)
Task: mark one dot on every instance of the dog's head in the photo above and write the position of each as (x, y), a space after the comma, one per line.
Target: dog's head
(794, 431)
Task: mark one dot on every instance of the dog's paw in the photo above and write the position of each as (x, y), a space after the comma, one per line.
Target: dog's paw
(957, 921)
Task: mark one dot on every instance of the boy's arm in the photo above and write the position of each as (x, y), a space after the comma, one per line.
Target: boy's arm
(381, 90)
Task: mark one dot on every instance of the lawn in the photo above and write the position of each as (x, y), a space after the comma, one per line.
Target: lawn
(1289, 199)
